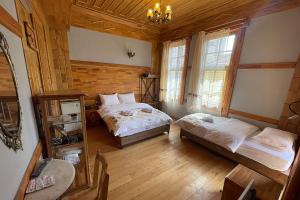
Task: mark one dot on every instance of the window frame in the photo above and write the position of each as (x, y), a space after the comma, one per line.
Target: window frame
(232, 68)
(226, 70)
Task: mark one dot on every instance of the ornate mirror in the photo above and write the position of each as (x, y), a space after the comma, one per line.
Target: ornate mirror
(10, 113)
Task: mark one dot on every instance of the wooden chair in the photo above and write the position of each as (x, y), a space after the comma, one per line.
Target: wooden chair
(101, 178)
(249, 192)
(99, 189)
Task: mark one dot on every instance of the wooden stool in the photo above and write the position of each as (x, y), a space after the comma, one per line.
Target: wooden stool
(238, 179)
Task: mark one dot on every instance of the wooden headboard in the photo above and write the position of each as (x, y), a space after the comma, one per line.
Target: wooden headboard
(95, 78)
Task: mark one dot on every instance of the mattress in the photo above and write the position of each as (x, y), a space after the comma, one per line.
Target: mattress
(274, 159)
(137, 121)
(197, 125)
(226, 132)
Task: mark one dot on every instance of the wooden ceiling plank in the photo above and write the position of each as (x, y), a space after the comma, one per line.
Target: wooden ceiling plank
(188, 15)
(146, 7)
(126, 7)
(135, 8)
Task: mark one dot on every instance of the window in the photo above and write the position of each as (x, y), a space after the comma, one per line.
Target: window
(175, 71)
(217, 57)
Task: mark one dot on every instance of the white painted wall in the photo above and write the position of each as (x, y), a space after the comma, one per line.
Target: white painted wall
(271, 38)
(268, 39)
(13, 164)
(261, 91)
(88, 45)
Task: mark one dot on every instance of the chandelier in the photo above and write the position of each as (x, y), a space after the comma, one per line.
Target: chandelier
(156, 16)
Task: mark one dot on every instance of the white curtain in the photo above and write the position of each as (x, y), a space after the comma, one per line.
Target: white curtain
(164, 72)
(175, 71)
(171, 71)
(210, 62)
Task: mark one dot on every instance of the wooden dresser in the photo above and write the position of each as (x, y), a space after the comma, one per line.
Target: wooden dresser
(237, 180)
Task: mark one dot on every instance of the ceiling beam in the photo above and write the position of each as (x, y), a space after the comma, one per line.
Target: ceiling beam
(120, 20)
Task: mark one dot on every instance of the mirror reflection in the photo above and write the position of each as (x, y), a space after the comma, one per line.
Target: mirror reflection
(9, 104)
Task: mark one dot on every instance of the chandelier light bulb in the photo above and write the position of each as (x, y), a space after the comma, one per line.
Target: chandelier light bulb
(157, 7)
(150, 13)
(168, 9)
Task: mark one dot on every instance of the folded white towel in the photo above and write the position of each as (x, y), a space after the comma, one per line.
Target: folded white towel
(126, 113)
(147, 110)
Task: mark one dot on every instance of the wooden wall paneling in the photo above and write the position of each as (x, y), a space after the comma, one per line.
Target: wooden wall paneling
(9, 22)
(31, 56)
(57, 14)
(60, 49)
(49, 82)
(155, 58)
(279, 65)
(95, 78)
(254, 117)
(23, 185)
(44, 43)
(230, 79)
(292, 125)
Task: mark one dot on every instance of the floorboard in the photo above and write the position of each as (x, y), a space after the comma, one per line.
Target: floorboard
(164, 167)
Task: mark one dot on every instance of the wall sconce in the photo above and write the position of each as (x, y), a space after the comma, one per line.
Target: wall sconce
(130, 53)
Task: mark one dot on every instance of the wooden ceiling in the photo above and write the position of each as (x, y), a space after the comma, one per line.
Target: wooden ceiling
(185, 12)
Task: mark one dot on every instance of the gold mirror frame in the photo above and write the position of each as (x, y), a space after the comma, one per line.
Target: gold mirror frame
(11, 140)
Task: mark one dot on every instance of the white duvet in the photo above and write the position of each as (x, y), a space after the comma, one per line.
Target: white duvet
(273, 148)
(123, 126)
(231, 133)
(226, 132)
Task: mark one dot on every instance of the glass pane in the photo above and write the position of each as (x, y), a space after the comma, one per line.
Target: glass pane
(212, 46)
(224, 59)
(181, 50)
(211, 60)
(230, 43)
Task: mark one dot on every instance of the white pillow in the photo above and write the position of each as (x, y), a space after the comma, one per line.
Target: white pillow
(107, 100)
(127, 98)
(277, 139)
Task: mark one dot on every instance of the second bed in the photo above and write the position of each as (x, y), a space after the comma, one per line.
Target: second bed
(270, 152)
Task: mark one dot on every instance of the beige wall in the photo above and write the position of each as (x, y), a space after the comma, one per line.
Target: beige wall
(88, 45)
(273, 38)
(13, 164)
(269, 39)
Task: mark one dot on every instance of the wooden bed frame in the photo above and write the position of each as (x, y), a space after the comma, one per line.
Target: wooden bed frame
(131, 139)
(278, 176)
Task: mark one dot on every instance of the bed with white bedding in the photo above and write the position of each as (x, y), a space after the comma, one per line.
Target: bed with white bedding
(270, 152)
(219, 130)
(132, 119)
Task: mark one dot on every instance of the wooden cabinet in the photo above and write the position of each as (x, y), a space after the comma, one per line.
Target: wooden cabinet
(238, 179)
(63, 129)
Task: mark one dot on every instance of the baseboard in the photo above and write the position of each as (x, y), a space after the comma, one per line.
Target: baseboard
(23, 185)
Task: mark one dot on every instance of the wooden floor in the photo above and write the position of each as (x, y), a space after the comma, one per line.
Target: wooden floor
(164, 167)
